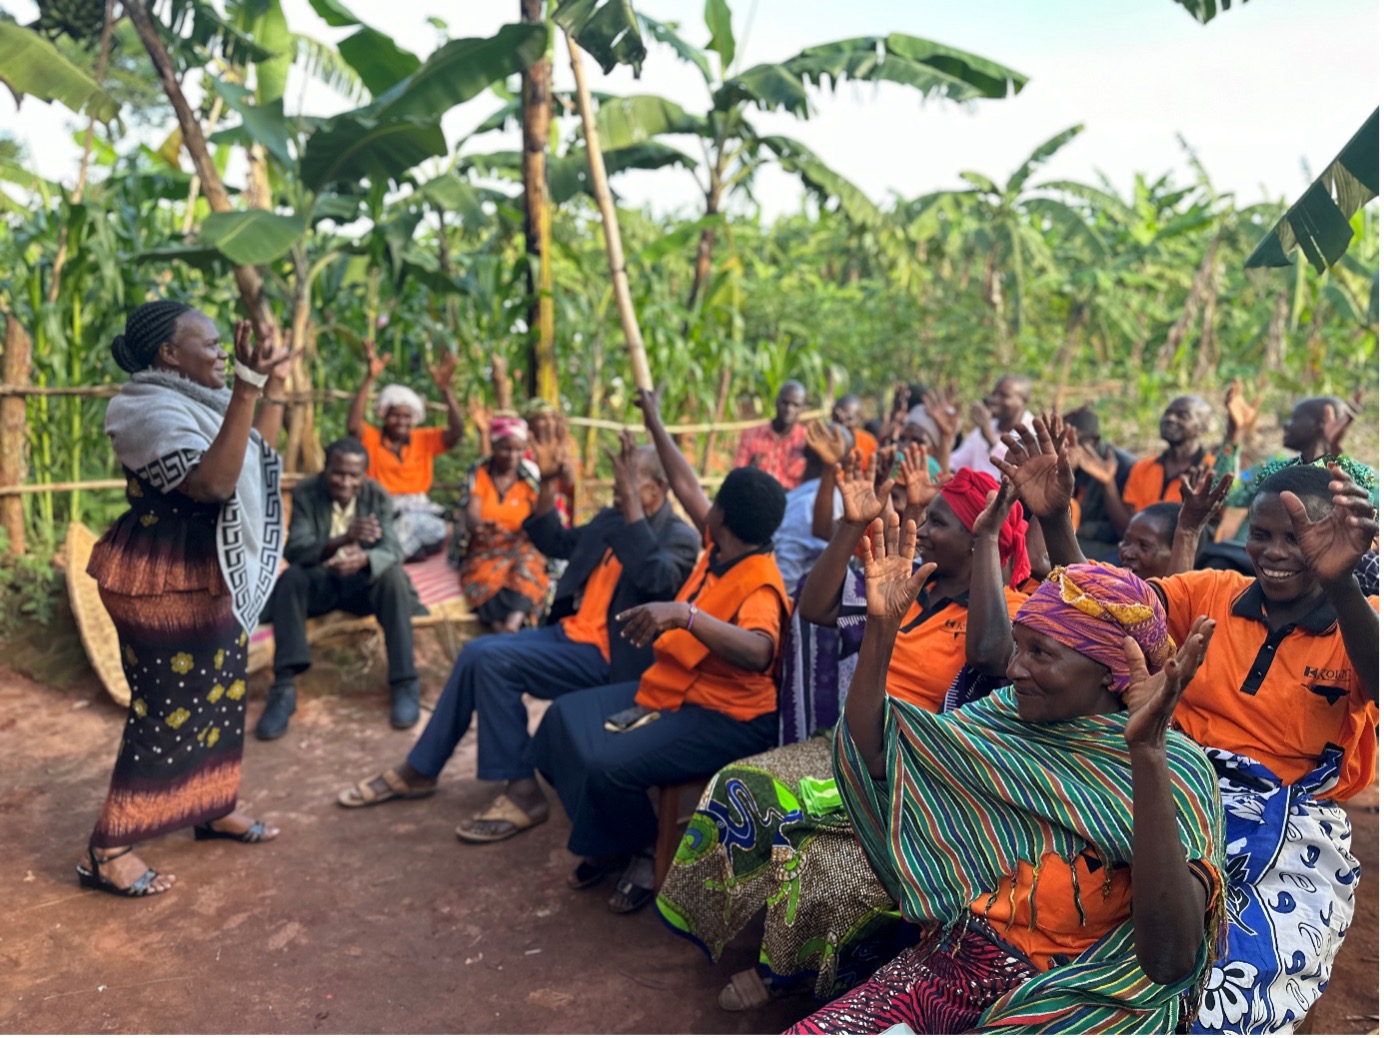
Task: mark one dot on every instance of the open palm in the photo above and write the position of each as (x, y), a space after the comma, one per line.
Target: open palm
(860, 500)
(1332, 546)
(891, 585)
(1151, 698)
(1039, 471)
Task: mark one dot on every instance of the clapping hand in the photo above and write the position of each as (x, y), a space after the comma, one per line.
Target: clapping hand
(1333, 545)
(1151, 698)
(365, 529)
(1039, 471)
(861, 500)
(891, 585)
(348, 560)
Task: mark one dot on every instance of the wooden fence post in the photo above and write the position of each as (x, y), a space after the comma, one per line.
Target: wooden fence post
(14, 371)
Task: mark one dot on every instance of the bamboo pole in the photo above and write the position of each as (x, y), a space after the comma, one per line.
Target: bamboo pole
(14, 368)
(615, 252)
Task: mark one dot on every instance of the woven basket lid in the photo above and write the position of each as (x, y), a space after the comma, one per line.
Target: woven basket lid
(94, 624)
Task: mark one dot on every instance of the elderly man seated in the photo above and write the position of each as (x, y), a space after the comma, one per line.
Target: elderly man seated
(342, 554)
(401, 452)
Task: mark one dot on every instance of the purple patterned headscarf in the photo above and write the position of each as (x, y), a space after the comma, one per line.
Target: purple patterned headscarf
(1092, 607)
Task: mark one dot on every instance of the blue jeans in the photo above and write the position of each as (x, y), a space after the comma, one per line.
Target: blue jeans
(490, 677)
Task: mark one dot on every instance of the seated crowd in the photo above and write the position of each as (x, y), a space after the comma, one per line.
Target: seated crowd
(995, 732)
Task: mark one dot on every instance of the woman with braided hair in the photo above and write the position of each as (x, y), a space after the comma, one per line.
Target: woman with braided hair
(184, 574)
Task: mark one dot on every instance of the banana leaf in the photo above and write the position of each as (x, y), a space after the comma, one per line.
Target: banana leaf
(29, 64)
(250, 238)
(606, 29)
(350, 148)
(1319, 221)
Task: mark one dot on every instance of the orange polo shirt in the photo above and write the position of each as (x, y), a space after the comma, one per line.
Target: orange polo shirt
(1280, 697)
(931, 650)
(410, 471)
(866, 444)
(748, 594)
(510, 511)
(589, 624)
(1148, 483)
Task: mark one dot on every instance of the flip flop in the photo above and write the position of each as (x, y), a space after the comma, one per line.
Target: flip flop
(590, 872)
(364, 793)
(746, 990)
(629, 897)
(501, 809)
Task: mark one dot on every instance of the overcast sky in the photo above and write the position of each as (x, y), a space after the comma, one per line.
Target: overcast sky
(1265, 93)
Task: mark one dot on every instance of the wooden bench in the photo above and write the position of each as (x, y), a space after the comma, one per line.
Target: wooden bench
(673, 817)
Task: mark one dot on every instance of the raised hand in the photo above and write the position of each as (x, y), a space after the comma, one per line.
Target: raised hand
(891, 585)
(828, 443)
(980, 416)
(918, 484)
(996, 510)
(1240, 414)
(1334, 426)
(623, 467)
(254, 347)
(649, 403)
(861, 500)
(548, 442)
(1102, 470)
(942, 407)
(646, 622)
(479, 413)
(1202, 498)
(375, 364)
(1333, 545)
(1151, 698)
(444, 370)
(1039, 471)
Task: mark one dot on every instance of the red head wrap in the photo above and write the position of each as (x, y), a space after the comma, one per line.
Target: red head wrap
(966, 492)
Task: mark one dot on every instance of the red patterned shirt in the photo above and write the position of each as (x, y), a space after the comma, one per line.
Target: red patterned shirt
(782, 457)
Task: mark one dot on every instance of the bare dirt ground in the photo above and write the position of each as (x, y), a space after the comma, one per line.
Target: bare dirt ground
(374, 920)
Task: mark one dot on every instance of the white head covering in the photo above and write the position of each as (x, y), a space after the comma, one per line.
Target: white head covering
(919, 416)
(400, 396)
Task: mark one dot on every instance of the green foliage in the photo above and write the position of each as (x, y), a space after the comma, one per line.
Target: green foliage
(606, 29)
(30, 64)
(28, 588)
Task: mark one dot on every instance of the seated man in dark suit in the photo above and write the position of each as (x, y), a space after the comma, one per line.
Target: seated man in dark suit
(632, 553)
(342, 554)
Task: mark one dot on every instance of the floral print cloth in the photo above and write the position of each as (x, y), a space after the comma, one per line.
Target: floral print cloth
(1290, 894)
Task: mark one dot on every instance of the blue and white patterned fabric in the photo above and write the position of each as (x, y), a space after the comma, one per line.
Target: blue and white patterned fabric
(1290, 894)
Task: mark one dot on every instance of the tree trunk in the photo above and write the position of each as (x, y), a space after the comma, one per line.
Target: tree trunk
(1195, 294)
(257, 194)
(538, 224)
(14, 371)
(61, 258)
(615, 253)
(303, 448)
(247, 279)
(701, 271)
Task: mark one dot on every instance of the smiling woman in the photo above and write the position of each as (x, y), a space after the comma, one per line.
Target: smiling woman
(184, 574)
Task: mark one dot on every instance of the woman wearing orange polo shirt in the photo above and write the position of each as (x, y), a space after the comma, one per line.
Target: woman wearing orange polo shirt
(401, 454)
(504, 578)
(1286, 708)
(709, 698)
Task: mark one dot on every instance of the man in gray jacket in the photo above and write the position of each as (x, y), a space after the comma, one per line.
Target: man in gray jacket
(342, 554)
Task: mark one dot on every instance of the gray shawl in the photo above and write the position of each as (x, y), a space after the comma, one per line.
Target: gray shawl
(160, 425)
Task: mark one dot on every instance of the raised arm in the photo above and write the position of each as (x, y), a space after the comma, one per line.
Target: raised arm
(442, 378)
(218, 471)
(269, 419)
(1043, 478)
(819, 601)
(989, 633)
(1169, 902)
(374, 366)
(891, 587)
(682, 478)
(1105, 471)
(1333, 546)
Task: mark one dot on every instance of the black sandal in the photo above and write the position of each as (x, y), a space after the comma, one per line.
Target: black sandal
(93, 879)
(254, 834)
(634, 897)
(589, 873)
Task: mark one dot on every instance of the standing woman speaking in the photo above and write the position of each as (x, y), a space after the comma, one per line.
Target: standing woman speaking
(184, 574)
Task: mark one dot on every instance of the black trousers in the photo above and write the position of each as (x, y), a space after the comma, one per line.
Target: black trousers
(303, 592)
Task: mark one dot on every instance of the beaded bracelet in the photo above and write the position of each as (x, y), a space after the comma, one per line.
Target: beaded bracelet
(691, 615)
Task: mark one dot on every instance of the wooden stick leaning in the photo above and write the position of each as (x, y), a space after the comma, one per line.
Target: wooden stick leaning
(615, 253)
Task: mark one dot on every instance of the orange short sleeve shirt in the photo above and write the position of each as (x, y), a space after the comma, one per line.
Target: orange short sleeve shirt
(1280, 697)
(410, 471)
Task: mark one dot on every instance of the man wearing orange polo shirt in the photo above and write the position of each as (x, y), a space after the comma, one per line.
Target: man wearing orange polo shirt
(633, 553)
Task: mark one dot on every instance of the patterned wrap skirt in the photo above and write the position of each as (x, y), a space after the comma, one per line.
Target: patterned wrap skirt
(753, 843)
(184, 655)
